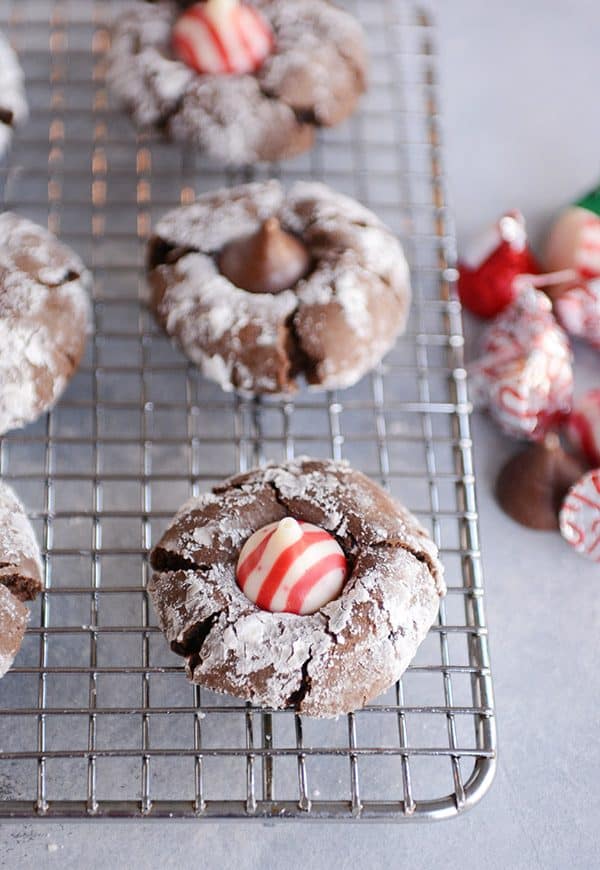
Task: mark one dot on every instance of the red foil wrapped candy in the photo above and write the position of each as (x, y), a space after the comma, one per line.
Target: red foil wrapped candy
(487, 271)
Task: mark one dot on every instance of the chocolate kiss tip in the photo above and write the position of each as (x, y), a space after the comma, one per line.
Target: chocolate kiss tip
(268, 261)
(532, 484)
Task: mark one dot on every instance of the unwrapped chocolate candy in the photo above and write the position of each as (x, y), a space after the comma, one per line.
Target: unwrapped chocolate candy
(532, 485)
(268, 261)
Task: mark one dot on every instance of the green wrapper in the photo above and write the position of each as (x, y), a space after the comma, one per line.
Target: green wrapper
(591, 201)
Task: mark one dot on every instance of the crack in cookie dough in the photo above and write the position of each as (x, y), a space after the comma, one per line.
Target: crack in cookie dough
(313, 78)
(332, 327)
(20, 563)
(20, 574)
(324, 664)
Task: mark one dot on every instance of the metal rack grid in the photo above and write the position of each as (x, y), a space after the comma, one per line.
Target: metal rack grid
(96, 717)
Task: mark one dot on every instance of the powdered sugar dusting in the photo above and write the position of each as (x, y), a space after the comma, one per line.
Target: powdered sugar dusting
(12, 92)
(220, 216)
(232, 118)
(17, 540)
(140, 69)
(319, 60)
(13, 621)
(44, 314)
(19, 558)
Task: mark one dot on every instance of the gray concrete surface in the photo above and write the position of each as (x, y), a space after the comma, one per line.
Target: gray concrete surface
(522, 129)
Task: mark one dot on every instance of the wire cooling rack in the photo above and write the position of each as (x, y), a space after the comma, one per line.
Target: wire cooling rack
(97, 718)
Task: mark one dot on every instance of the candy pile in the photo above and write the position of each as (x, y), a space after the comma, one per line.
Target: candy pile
(525, 374)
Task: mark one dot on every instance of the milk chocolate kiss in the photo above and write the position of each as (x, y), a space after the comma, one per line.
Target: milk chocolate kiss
(532, 485)
(268, 261)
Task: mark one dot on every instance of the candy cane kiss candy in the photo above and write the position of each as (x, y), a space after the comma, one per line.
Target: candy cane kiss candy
(580, 516)
(577, 307)
(525, 376)
(222, 36)
(291, 567)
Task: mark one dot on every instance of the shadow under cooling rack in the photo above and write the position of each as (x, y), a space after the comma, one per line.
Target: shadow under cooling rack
(96, 717)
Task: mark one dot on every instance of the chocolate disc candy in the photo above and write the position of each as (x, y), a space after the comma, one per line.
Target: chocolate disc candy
(268, 261)
(532, 485)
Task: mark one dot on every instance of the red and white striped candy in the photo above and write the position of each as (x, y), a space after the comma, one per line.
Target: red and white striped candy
(580, 516)
(583, 426)
(577, 307)
(222, 36)
(291, 567)
(525, 377)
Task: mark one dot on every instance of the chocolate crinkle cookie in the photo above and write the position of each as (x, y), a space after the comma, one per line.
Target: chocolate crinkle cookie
(347, 302)
(335, 659)
(20, 574)
(312, 77)
(13, 105)
(44, 317)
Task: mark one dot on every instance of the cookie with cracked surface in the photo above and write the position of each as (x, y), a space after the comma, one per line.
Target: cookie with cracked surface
(332, 326)
(13, 104)
(312, 78)
(323, 664)
(20, 574)
(20, 563)
(44, 316)
(13, 622)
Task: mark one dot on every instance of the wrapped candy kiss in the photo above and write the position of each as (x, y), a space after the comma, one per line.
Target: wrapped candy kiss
(525, 376)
